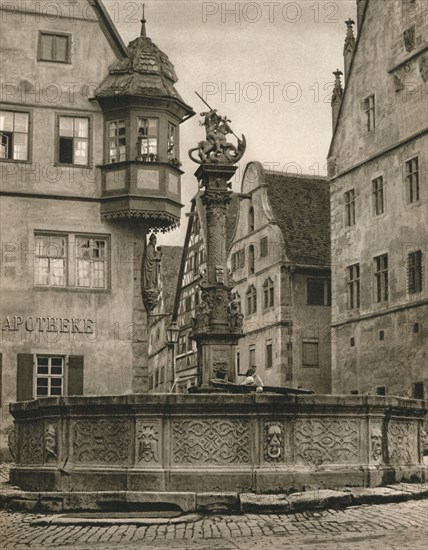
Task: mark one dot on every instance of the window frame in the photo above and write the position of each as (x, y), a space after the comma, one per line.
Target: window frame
(50, 376)
(54, 34)
(66, 259)
(305, 362)
(264, 247)
(418, 274)
(58, 162)
(381, 281)
(106, 261)
(268, 294)
(268, 355)
(173, 154)
(28, 134)
(409, 175)
(140, 156)
(350, 210)
(370, 112)
(251, 260)
(353, 285)
(251, 219)
(108, 122)
(251, 300)
(326, 291)
(378, 196)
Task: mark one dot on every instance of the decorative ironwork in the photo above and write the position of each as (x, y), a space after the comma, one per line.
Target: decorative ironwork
(326, 441)
(210, 442)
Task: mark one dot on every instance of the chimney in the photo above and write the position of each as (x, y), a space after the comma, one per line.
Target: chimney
(348, 49)
(336, 99)
(361, 4)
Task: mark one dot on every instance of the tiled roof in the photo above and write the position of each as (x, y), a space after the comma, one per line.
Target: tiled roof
(146, 71)
(301, 208)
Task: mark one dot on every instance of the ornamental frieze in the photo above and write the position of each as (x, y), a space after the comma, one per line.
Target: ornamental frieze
(320, 441)
(101, 441)
(210, 442)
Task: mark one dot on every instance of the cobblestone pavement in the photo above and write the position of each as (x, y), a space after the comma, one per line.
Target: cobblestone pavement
(398, 526)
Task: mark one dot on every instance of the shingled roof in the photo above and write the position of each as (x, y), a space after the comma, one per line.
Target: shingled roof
(301, 209)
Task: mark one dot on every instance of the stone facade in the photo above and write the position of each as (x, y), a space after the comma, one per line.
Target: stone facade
(216, 443)
(160, 371)
(377, 164)
(78, 200)
(279, 249)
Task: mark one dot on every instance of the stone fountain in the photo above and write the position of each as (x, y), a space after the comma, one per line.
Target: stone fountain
(190, 450)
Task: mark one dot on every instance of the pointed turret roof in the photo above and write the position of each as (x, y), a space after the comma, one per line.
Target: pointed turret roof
(145, 72)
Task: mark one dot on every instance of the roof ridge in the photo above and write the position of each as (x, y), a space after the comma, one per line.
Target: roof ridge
(285, 174)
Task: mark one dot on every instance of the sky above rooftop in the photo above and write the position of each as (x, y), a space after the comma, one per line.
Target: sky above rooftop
(267, 66)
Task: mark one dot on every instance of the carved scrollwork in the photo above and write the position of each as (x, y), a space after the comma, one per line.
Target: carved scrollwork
(210, 442)
(319, 441)
(101, 441)
(402, 442)
(31, 435)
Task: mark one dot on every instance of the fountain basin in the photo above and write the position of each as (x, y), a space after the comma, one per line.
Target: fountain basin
(216, 443)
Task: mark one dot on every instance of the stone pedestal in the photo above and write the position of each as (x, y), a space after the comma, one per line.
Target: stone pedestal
(217, 328)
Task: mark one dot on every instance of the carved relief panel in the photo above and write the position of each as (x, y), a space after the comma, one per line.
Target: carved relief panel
(147, 443)
(31, 436)
(321, 441)
(101, 441)
(402, 442)
(273, 442)
(210, 442)
(376, 444)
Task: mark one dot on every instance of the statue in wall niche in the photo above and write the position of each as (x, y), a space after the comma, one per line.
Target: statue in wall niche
(150, 273)
(201, 320)
(376, 444)
(273, 441)
(151, 265)
(50, 443)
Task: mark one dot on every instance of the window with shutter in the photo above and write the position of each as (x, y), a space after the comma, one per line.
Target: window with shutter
(75, 375)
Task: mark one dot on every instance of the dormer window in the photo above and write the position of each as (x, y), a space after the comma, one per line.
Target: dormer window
(116, 141)
(148, 133)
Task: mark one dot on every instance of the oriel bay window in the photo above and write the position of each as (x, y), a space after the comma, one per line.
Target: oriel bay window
(73, 140)
(116, 141)
(148, 134)
(14, 128)
(172, 142)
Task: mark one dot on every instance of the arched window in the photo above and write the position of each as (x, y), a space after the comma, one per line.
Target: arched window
(251, 300)
(268, 293)
(250, 219)
(251, 260)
